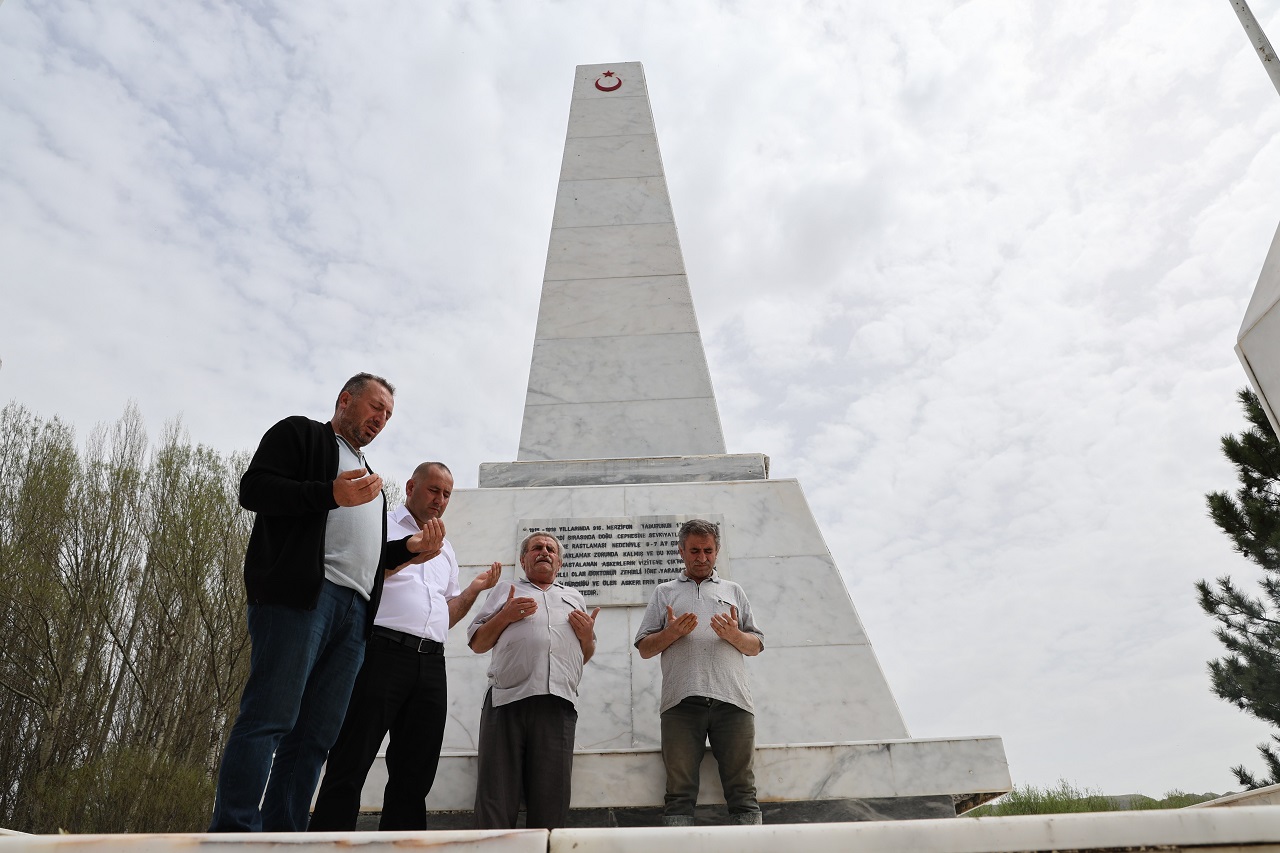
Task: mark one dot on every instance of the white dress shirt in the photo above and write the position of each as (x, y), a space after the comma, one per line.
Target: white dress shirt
(415, 599)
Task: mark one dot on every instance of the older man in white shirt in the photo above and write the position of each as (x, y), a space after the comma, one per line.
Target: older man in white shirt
(401, 687)
(541, 636)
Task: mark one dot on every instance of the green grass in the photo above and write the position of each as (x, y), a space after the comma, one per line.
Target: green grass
(1065, 798)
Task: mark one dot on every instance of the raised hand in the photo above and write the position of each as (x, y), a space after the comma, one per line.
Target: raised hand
(583, 626)
(726, 624)
(676, 628)
(726, 627)
(516, 609)
(427, 542)
(488, 579)
(681, 625)
(357, 487)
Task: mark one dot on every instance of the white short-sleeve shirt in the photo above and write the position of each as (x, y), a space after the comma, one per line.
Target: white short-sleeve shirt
(539, 654)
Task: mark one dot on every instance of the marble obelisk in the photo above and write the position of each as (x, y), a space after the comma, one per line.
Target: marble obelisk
(618, 365)
(621, 440)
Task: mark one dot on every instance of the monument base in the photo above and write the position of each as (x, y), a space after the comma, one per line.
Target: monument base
(795, 783)
(810, 811)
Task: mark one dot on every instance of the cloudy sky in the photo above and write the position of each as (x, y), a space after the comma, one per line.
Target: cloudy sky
(971, 272)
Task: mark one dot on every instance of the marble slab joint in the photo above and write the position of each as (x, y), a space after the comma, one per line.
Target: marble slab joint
(717, 468)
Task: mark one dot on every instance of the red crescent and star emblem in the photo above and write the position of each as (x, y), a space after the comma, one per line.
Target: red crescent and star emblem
(608, 75)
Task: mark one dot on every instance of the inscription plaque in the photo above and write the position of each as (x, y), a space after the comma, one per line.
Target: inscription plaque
(616, 562)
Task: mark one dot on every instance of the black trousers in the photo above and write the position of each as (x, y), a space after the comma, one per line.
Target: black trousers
(404, 692)
(525, 747)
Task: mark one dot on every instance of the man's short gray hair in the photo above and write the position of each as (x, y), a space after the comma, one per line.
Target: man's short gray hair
(423, 469)
(699, 527)
(524, 546)
(356, 385)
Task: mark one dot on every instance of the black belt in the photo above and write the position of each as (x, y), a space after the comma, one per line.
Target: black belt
(419, 644)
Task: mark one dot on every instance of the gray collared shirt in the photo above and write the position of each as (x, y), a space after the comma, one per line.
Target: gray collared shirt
(539, 654)
(700, 663)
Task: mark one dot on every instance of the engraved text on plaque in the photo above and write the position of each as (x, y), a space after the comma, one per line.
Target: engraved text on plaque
(618, 561)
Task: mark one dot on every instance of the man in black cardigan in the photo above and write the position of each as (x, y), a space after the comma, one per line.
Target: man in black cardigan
(313, 575)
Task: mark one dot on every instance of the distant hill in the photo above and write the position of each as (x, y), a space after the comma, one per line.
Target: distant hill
(1172, 800)
(1065, 797)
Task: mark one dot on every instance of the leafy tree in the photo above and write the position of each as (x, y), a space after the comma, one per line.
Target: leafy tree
(123, 616)
(1248, 675)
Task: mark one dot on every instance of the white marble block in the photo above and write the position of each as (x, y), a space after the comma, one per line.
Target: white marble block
(1258, 344)
(600, 472)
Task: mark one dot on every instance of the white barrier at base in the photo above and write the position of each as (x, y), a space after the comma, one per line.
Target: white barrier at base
(471, 841)
(1256, 828)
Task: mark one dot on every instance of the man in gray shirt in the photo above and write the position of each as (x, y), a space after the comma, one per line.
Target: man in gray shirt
(541, 636)
(701, 624)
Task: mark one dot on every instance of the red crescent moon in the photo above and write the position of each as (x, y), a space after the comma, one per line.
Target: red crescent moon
(608, 88)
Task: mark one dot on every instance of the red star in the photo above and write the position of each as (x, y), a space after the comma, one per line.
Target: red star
(608, 74)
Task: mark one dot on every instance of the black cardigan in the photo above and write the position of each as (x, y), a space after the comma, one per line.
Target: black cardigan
(289, 484)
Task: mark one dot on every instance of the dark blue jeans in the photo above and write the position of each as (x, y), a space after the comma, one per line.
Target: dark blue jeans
(301, 669)
(686, 728)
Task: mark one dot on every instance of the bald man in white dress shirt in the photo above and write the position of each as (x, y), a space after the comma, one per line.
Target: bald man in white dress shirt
(401, 687)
